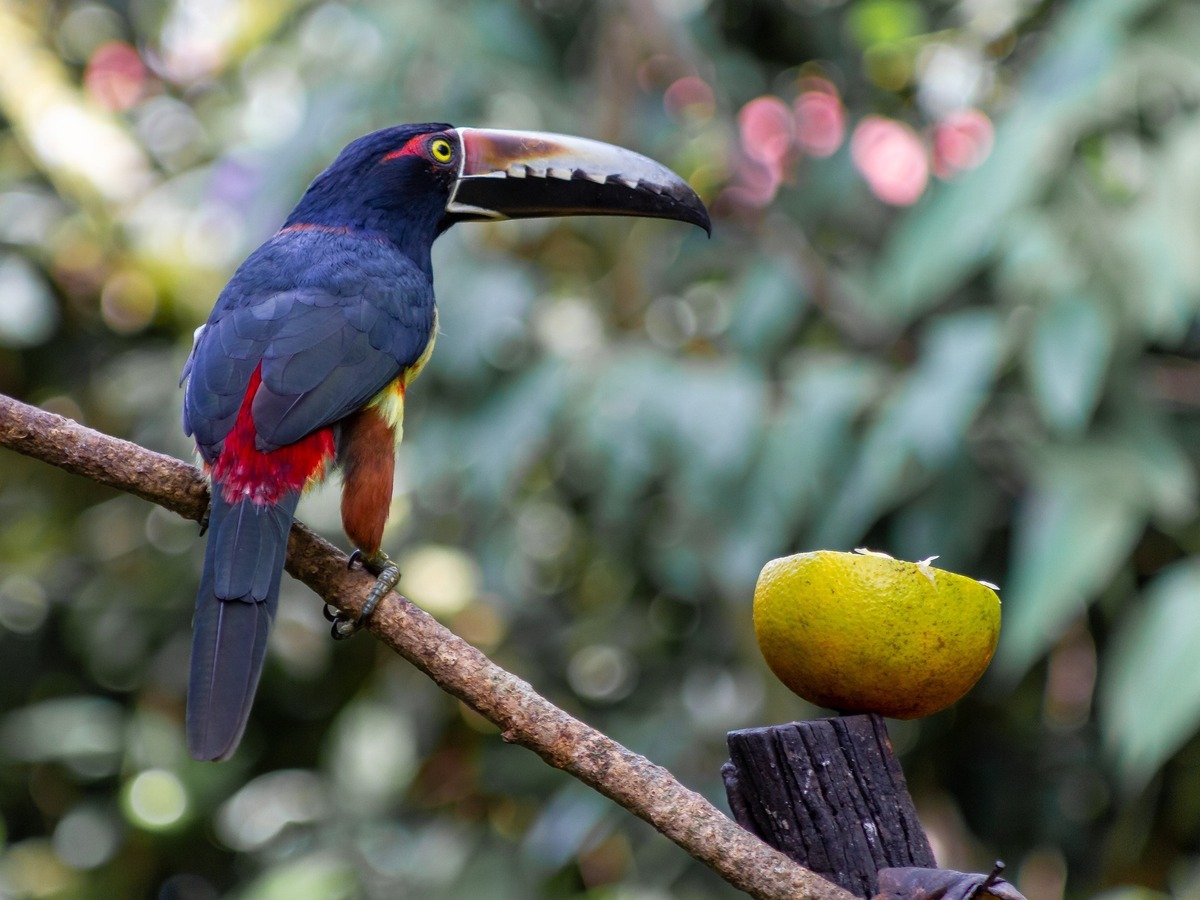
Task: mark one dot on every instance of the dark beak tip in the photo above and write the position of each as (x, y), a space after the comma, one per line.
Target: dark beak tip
(689, 208)
(701, 219)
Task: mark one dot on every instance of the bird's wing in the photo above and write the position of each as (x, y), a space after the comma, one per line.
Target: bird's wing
(323, 355)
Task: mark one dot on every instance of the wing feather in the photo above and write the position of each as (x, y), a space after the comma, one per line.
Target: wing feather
(329, 336)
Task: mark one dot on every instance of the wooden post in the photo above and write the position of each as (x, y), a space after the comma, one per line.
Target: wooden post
(830, 794)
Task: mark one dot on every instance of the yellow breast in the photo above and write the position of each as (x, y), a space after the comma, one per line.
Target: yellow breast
(390, 401)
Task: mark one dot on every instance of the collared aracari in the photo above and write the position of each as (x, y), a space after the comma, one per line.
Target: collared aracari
(307, 355)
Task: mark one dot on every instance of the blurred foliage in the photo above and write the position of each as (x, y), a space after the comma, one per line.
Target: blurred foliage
(622, 423)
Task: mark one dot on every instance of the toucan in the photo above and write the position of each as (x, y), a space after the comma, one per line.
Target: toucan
(305, 361)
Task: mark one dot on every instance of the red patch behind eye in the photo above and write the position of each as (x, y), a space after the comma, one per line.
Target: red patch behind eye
(242, 470)
(411, 148)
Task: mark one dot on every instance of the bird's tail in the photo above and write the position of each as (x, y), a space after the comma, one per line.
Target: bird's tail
(239, 591)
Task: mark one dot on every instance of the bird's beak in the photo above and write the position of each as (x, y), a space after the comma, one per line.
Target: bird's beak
(527, 174)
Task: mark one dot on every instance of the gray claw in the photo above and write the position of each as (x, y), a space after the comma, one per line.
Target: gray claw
(387, 576)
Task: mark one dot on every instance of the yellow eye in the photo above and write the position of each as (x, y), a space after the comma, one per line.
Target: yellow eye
(440, 150)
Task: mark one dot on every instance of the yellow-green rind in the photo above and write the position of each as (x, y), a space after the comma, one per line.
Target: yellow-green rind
(864, 633)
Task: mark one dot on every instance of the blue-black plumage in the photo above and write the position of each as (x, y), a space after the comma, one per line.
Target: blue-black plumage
(309, 350)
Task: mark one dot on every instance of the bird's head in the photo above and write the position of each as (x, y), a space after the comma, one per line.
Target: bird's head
(412, 182)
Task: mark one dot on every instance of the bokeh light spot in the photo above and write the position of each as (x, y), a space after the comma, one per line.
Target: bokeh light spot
(342, 35)
(275, 106)
(544, 530)
(952, 78)
(481, 625)
(115, 77)
(155, 800)
(84, 28)
(23, 605)
(602, 672)
(690, 99)
(765, 125)
(128, 301)
(260, 811)
(83, 732)
(670, 322)
(81, 141)
(718, 698)
(86, 837)
(168, 533)
(961, 141)
(766, 131)
(820, 119)
(27, 216)
(570, 328)
(28, 315)
(873, 22)
(892, 159)
(376, 751)
(170, 130)
(212, 234)
(890, 66)
(32, 869)
(196, 36)
(442, 579)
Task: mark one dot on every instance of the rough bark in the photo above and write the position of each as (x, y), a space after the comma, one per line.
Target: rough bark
(830, 794)
(524, 717)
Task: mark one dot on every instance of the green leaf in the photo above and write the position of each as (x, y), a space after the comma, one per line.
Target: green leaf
(1068, 356)
(697, 422)
(769, 304)
(1036, 259)
(709, 416)
(922, 425)
(804, 447)
(1071, 536)
(493, 446)
(1090, 504)
(952, 519)
(811, 434)
(1162, 269)
(1150, 696)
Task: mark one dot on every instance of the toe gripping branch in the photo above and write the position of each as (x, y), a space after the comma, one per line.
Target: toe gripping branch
(387, 576)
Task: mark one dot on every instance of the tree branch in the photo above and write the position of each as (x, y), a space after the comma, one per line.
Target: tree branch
(525, 717)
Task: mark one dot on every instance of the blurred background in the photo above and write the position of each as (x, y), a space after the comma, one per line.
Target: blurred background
(949, 307)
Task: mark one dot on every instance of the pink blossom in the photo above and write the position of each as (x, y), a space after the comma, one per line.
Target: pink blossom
(115, 77)
(765, 126)
(689, 98)
(820, 119)
(892, 159)
(961, 141)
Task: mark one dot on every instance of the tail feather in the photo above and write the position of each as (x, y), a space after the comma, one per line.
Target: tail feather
(248, 551)
(227, 655)
(239, 592)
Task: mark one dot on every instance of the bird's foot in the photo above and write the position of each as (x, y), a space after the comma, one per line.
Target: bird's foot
(387, 576)
(204, 519)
